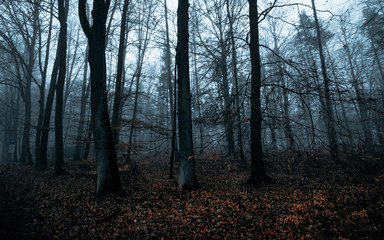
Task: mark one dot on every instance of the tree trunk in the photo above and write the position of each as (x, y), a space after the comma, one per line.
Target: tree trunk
(258, 173)
(42, 162)
(236, 80)
(59, 161)
(328, 104)
(43, 70)
(120, 71)
(108, 180)
(187, 175)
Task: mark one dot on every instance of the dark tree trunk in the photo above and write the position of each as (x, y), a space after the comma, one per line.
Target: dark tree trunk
(43, 70)
(258, 173)
(59, 161)
(187, 175)
(116, 116)
(108, 179)
(42, 161)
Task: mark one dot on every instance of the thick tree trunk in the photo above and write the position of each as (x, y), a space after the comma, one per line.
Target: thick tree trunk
(108, 180)
(258, 173)
(187, 175)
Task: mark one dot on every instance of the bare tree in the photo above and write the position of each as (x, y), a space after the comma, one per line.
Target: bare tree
(258, 173)
(59, 161)
(108, 179)
(187, 176)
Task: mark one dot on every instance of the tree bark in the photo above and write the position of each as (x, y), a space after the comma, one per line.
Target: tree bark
(187, 175)
(258, 173)
(108, 179)
(59, 161)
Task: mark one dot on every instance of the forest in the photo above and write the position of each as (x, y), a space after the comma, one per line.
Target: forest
(192, 119)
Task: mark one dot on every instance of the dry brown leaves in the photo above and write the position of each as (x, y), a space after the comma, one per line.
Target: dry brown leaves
(298, 205)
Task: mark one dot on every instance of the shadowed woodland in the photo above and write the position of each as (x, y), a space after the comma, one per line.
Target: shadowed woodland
(177, 119)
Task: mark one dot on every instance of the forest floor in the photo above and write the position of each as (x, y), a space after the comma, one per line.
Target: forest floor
(310, 197)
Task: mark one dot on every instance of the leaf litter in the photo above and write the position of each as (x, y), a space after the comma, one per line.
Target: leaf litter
(309, 198)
